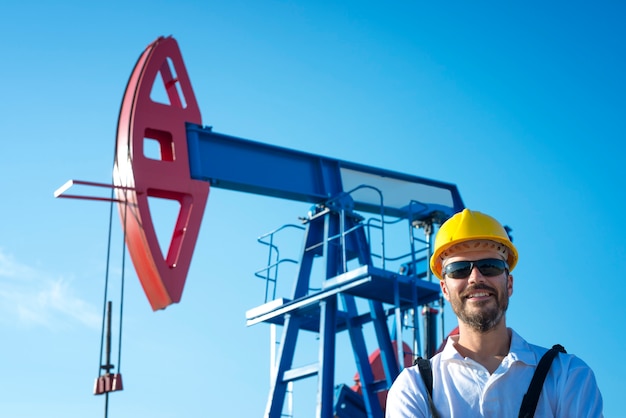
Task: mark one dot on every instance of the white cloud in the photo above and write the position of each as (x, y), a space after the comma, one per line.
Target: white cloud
(31, 297)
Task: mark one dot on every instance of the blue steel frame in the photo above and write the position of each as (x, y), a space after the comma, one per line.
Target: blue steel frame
(334, 231)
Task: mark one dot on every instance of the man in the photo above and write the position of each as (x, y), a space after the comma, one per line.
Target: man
(486, 369)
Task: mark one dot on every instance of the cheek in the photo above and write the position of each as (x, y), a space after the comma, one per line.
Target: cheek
(445, 290)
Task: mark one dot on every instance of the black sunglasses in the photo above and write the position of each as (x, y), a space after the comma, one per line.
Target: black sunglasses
(488, 267)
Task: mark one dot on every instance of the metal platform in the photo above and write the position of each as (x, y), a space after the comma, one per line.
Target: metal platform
(367, 282)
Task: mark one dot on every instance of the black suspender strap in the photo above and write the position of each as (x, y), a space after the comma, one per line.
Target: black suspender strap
(531, 398)
(427, 376)
(426, 372)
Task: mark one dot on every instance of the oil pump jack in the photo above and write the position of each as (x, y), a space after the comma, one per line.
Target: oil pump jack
(352, 208)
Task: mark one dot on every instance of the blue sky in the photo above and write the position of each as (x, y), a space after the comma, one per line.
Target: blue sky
(520, 105)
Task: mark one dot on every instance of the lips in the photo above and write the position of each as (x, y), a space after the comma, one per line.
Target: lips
(478, 295)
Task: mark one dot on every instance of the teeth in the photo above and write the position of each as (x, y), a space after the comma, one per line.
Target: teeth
(478, 295)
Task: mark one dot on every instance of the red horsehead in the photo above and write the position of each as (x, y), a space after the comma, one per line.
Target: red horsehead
(139, 177)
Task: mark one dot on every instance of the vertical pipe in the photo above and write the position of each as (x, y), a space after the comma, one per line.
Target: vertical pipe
(428, 231)
(325, 390)
(272, 351)
(398, 318)
(342, 232)
(430, 330)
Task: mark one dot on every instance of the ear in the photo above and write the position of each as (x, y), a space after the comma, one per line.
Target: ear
(444, 289)
(510, 284)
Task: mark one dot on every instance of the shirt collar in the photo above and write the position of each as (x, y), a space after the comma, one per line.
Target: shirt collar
(520, 350)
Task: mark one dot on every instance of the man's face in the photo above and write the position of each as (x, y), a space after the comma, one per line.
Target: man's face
(477, 300)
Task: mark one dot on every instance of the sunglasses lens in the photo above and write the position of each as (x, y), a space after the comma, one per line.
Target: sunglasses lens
(458, 269)
(488, 267)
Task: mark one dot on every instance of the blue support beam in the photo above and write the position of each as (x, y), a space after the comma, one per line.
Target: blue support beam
(243, 165)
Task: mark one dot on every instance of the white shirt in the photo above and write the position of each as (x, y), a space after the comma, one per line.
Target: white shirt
(462, 388)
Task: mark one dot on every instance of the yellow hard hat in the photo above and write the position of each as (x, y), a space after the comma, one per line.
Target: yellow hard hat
(467, 226)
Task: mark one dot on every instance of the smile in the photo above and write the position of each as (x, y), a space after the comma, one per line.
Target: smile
(478, 295)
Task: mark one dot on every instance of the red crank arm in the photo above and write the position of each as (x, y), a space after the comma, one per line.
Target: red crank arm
(142, 119)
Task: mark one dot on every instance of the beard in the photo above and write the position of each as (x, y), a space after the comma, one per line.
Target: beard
(485, 315)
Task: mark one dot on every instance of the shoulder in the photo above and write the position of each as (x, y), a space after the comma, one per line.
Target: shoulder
(573, 382)
(570, 388)
(563, 361)
(571, 367)
(409, 378)
(407, 396)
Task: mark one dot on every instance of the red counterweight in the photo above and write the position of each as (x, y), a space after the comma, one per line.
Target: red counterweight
(142, 119)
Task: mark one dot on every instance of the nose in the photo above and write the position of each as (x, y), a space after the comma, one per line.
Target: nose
(476, 275)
